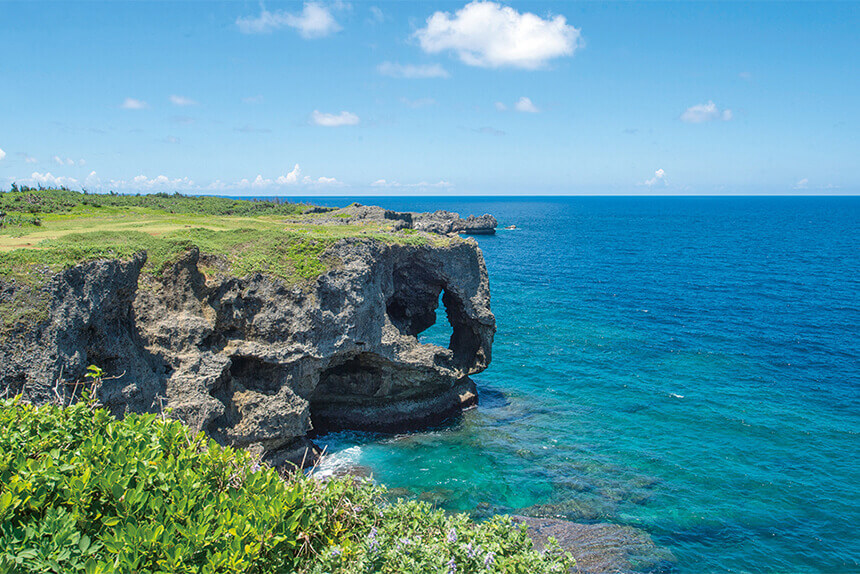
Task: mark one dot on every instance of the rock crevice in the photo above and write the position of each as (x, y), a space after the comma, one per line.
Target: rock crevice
(261, 364)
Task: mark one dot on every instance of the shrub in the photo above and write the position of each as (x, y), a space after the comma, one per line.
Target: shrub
(83, 492)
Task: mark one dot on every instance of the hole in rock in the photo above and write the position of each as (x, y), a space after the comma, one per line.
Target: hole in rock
(440, 331)
(254, 374)
(360, 377)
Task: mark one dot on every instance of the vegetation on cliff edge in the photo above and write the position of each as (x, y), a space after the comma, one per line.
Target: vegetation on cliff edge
(83, 492)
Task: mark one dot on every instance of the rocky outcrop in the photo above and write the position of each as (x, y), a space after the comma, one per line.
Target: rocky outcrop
(449, 222)
(439, 222)
(258, 363)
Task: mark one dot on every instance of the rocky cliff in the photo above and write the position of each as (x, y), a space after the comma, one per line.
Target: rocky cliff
(258, 362)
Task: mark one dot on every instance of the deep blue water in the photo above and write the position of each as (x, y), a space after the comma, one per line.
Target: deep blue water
(688, 366)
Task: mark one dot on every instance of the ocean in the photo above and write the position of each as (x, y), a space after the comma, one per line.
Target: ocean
(689, 366)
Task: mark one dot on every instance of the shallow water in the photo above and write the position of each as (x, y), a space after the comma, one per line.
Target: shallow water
(688, 366)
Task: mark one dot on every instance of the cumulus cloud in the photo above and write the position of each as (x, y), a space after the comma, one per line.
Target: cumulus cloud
(182, 101)
(802, 184)
(659, 178)
(422, 184)
(290, 178)
(50, 180)
(702, 113)
(411, 71)
(490, 35)
(134, 104)
(314, 21)
(334, 120)
(2, 154)
(524, 104)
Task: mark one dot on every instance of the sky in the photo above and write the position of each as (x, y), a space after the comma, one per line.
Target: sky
(431, 98)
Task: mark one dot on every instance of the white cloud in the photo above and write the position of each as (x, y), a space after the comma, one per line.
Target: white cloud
(501, 107)
(802, 184)
(133, 104)
(334, 120)
(659, 177)
(314, 21)
(291, 178)
(182, 101)
(253, 100)
(93, 180)
(702, 113)
(50, 180)
(28, 159)
(327, 181)
(524, 104)
(490, 35)
(158, 183)
(422, 184)
(411, 71)
(2, 154)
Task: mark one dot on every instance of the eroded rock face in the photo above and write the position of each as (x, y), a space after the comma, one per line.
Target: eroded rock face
(260, 364)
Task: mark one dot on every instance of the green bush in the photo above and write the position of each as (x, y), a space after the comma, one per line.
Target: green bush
(83, 492)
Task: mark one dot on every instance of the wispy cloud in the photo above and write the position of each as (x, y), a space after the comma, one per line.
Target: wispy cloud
(182, 101)
(525, 104)
(659, 178)
(702, 113)
(418, 103)
(488, 130)
(133, 104)
(68, 161)
(314, 21)
(2, 154)
(253, 100)
(490, 35)
(248, 129)
(334, 120)
(802, 184)
(411, 71)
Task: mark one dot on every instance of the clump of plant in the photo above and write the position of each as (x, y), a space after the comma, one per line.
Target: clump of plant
(83, 492)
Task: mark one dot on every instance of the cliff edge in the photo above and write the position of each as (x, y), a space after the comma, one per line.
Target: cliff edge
(254, 360)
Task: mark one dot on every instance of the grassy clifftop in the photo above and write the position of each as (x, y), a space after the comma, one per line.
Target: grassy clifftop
(54, 229)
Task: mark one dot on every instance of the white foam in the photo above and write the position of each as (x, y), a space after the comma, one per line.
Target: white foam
(339, 461)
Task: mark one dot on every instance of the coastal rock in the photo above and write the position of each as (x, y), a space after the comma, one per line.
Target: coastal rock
(440, 222)
(261, 364)
(601, 548)
(449, 222)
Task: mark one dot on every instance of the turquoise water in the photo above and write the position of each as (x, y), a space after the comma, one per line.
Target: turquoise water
(688, 366)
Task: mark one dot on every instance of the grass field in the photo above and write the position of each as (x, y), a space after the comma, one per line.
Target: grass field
(49, 230)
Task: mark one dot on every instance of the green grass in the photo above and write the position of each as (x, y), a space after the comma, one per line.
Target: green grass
(83, 492)
(51, 230)
(43, 232)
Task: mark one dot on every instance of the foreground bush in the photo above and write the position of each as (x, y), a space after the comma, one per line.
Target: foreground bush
(83, 492)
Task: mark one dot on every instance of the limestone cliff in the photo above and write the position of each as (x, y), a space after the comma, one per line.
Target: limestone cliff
(257, 362)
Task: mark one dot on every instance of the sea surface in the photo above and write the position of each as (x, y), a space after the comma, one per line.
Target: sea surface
(686, 366)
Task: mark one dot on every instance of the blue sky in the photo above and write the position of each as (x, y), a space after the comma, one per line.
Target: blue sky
(336, 98)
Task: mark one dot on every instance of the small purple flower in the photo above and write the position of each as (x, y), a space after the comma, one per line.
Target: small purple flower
(256, 467)
(372, 543)
(452, 536)
(452, 566)
(335, 552)
(489, 560)
(357, 509)
(470, 552)
(403, 541)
